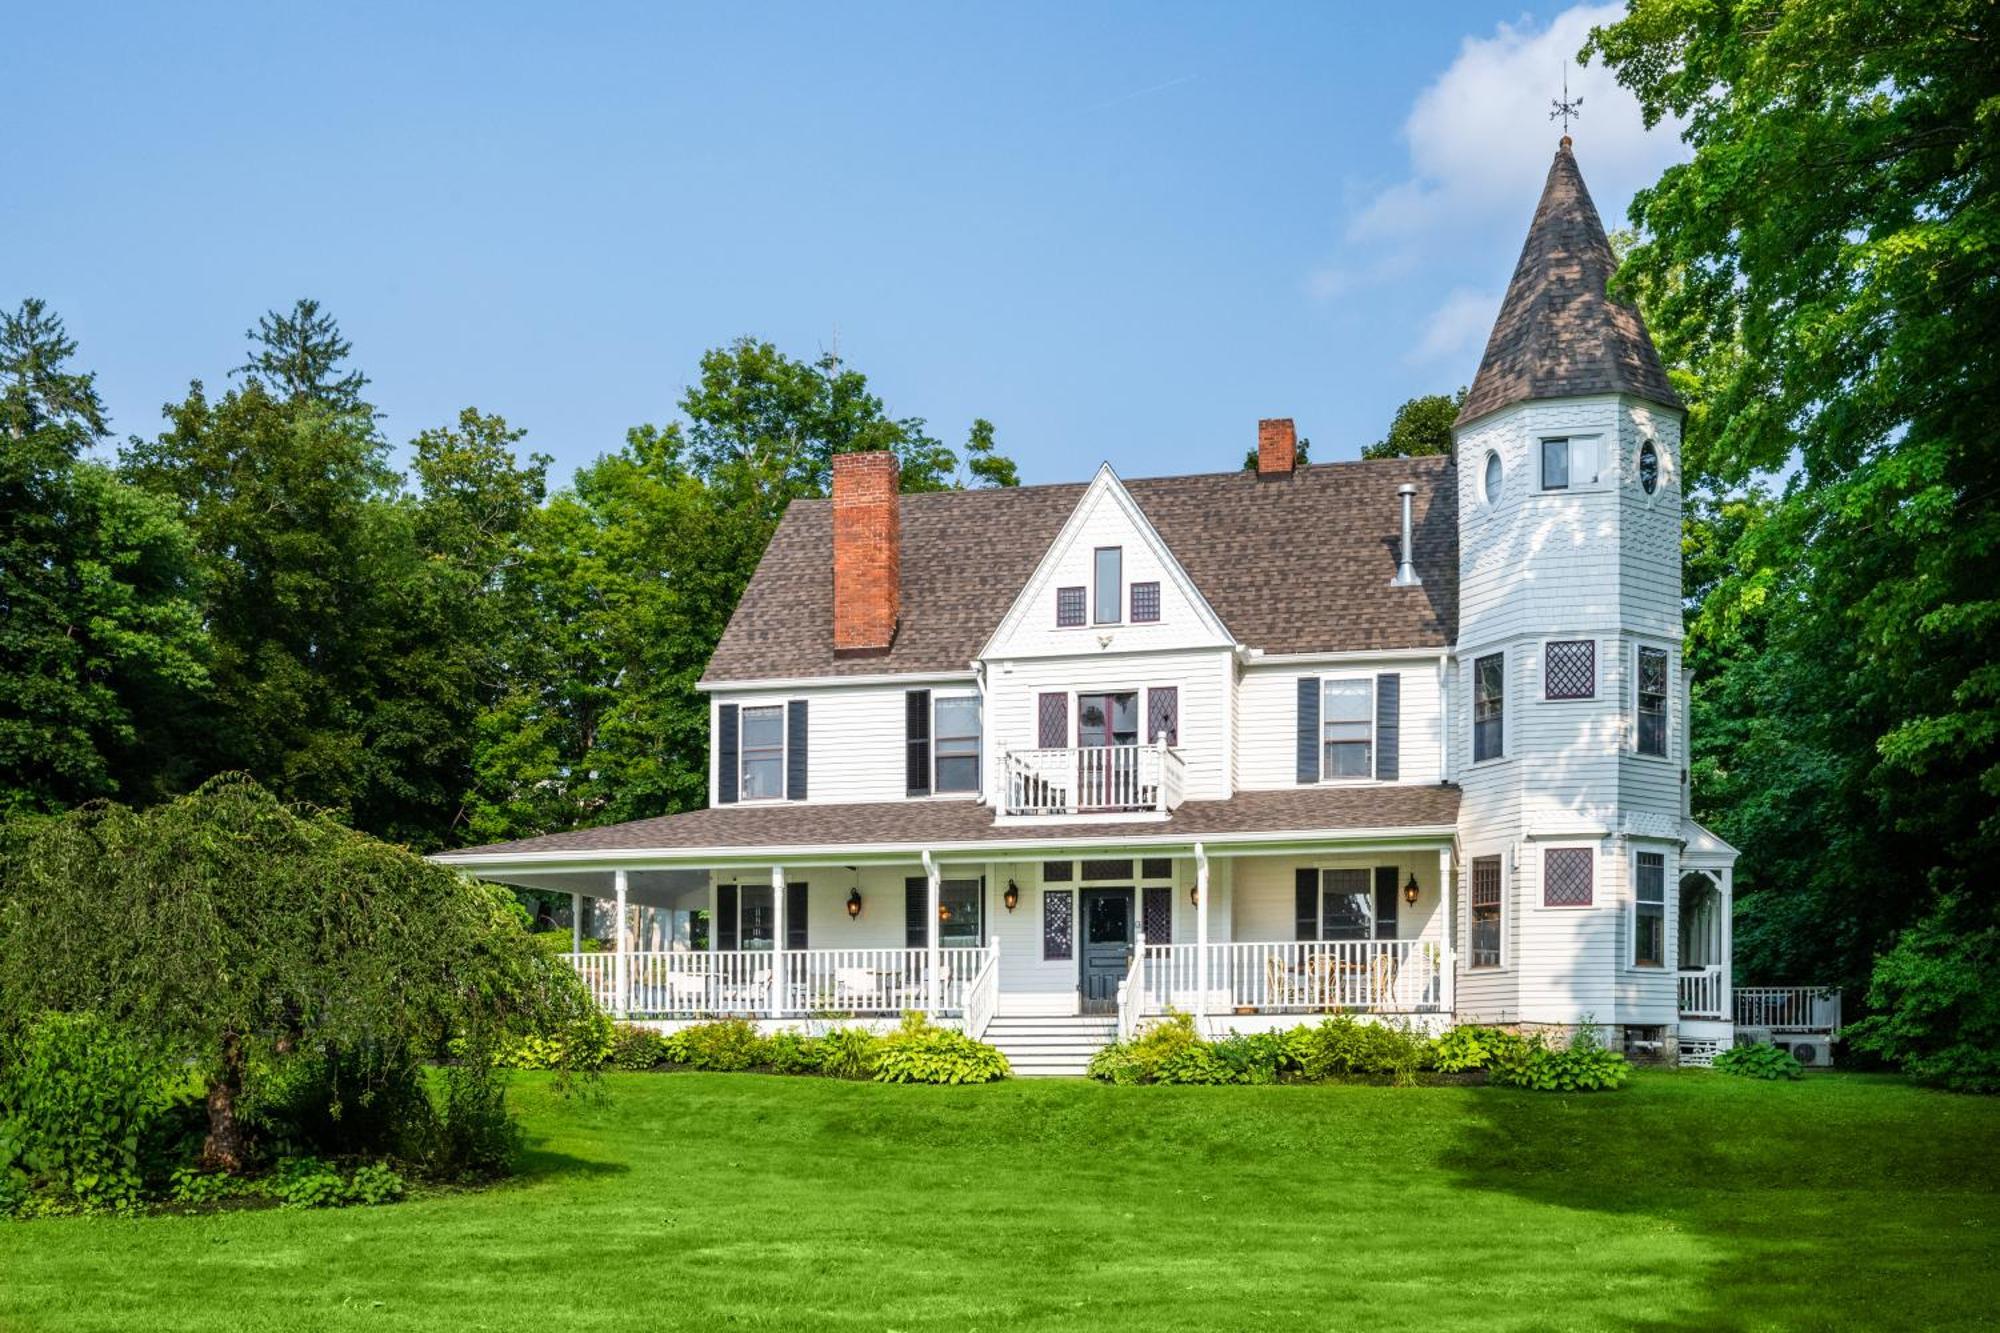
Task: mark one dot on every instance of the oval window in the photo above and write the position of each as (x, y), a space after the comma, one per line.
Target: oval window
(1649, 467)
(1492, 477)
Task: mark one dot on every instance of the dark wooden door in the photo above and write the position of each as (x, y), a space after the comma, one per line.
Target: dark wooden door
(1106, 954)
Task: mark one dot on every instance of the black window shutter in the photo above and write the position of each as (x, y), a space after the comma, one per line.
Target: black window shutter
(725, 911)
(795, 750)
(917, 741)
(795, 914)
(1308, 730)
(1305, 911)
(727, 756)
(1385, 902)
(1388, 726)
(916, 897)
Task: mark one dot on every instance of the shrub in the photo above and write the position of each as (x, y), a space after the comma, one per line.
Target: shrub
(789, 1052)
(632, 1047)
(725, 1046)
(80, 1106)
(308, 1182)
(587, 1043)
(1345, 1046)
(1469, 1047)
(1583, 1065)
(919, 1052)
(1152, 1048)
(848, 1053)
(1759, 1060)
(475, 1134)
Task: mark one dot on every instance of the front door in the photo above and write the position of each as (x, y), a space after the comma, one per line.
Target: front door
(1107, 947)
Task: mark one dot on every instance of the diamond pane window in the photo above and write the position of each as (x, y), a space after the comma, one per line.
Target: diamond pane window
(1100, 871)
(1157, 916)
(1058, 872)
(1163, 714)
(1566, 876)
(1157, 867)
(1069, 606)
(1145, 603)
(1569, 669)
(1058, 923)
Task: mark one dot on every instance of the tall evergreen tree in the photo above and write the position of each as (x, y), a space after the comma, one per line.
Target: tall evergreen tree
(300, 354)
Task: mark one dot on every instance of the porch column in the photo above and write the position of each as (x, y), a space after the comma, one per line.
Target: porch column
(576, 923)
(1447, 956)
(1726, 927)
(780, 979)
(1200, 940)
(622, 975)
(933, 993)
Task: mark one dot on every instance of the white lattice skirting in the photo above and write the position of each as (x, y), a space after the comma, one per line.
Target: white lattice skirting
(1699, 1052)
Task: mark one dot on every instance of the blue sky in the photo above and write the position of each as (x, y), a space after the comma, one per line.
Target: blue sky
(1120, 232)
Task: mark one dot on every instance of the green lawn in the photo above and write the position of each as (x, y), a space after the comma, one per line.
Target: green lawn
(1689, 1200)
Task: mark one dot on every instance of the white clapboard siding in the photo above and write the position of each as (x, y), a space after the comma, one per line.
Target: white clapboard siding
(1268, 718)
(854, 736)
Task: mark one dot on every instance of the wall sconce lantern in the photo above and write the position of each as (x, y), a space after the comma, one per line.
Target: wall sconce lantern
(1194, 895)
(853, 903)
(1012, 897)
(1410, 890)
(944, 911)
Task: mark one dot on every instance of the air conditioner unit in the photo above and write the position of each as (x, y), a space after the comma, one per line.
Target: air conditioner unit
(1812, 1052)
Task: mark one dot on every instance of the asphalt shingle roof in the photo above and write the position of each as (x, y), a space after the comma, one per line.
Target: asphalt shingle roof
(1307, 811)
(1296, 564)
(1559, 335)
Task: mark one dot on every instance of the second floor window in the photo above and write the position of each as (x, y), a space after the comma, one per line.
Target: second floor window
(955, 737)
(1489, 704)
(1107, 602)
(1567, 463)
(1347, 727)
(1652, 729)
(1145, 603)
(1569, 669)
(1069, 607)
(763, 775)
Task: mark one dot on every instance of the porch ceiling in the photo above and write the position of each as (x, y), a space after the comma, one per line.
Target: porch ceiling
(897, 831)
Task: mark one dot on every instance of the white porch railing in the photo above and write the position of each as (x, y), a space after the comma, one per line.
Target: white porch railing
(1094, 779)
(1132, 992)
(1789, 1008)
(982, 993)
(709, 983)
(1701, 992)
(1372, 976)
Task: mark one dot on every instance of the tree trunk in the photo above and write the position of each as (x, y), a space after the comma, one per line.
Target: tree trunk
(226, 1147)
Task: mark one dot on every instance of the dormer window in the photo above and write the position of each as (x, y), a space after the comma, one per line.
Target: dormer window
(1109, 569)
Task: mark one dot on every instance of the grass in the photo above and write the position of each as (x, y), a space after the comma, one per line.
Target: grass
(1690, 1200)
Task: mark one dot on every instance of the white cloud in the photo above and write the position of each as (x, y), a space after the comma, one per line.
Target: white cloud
(1480, 137)
(1458, 327)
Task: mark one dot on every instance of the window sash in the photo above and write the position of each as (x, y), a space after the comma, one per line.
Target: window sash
(1486, 909)
(955, 743)
(1489, 706)
(1569, 669)
(1347, 728)
(1649, 910)
(1108, 569)
(757, 918)
(761, 754)
(1346, 905)
(1652, 702)
(1569, 877)
(1555, 465)
(1069, 607)
(965, 926)
(1145, 603)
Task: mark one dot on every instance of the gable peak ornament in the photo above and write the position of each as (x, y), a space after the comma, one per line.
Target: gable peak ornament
(1566, 107)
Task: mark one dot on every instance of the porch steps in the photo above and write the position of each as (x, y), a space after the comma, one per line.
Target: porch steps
(1050, 1047)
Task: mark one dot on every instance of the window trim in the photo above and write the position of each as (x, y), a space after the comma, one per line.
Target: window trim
(1639, 468)
(1596, 672)
(1320, 869)
(978, 747)
(1472, 703)
(1500, 952)
(1326, 775)
(1490, 493)
(743, 795)
(1082, 620)
(979, 908)
(1632, 960)
(1542, 902)
(1097, 599)
(1666, 752)
(1573, 481)
(1132, 602)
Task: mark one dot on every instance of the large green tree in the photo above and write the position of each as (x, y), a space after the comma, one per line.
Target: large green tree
(100, 633)
(1822, 274)
(1422, 425)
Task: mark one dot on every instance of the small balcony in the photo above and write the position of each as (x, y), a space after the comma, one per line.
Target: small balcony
(1094, 780)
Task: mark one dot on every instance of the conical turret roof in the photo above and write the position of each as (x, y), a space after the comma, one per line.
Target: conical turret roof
(1559, 335)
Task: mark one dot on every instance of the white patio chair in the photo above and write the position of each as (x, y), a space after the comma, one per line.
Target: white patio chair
(857, 988)
(685, 990)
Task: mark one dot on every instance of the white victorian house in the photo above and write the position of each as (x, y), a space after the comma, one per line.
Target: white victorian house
(1404, 737)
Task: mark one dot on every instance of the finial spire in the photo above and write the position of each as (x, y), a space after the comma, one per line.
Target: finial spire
(1565, 109)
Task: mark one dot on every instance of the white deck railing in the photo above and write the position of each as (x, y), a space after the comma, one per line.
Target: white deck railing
(1094, 780)
(982, 993)
(1701, 992)
(1372, 976)
(712, 983)
(1789, 1008)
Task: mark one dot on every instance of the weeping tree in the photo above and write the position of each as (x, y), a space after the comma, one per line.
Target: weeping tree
(237, 933)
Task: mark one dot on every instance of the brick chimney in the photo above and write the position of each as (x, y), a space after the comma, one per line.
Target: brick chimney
(867, 552)
(1277, 447)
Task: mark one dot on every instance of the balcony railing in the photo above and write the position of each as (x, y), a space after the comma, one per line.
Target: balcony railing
(1788, 1008)
(1103, 779)
(1701, 992)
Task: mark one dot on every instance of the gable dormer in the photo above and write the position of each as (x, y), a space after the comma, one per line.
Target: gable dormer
(1107, 583)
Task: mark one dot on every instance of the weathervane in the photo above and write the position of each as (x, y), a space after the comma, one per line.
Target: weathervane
(1565, 109)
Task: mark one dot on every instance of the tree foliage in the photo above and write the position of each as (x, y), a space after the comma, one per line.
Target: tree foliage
(228, 929)
(1820, 275)
(1421, 426)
